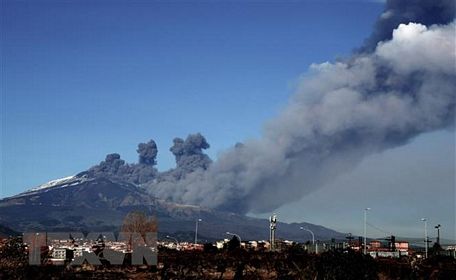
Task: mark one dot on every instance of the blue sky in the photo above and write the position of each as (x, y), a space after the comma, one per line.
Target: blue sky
(82, 79)
(85, 79)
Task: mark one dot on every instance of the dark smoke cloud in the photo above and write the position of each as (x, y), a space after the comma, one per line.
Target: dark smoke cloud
(401, 85)
(426, 12)
(113, 167)
(147, 153)
(189, 158)
(111, 164)
(189, 153)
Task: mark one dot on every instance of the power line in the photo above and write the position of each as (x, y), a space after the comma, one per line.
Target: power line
(379, 229)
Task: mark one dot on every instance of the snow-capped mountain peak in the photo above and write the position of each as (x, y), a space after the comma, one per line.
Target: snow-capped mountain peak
(60, 183)
(53, 183)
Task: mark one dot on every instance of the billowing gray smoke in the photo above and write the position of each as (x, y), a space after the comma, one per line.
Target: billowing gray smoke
(189, 153)
(147, 153)
(402, 83)
(113, 167)
(189, 158)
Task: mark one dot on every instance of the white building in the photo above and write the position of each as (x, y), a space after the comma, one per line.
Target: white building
(59, 253)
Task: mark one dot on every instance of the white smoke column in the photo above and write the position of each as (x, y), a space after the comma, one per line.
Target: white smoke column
(341, 113)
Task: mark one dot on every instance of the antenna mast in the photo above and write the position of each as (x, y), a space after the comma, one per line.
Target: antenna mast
(272, 229)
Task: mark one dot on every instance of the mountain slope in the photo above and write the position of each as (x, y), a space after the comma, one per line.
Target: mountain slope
(6, 232)
(82, 203)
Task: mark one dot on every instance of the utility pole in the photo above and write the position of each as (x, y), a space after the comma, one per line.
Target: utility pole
(350, 239)
(391, 243)
(365, 230)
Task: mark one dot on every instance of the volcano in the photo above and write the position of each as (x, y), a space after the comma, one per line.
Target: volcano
(84, 203)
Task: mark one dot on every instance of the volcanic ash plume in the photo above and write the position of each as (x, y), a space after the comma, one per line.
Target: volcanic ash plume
(426, 12)
(341, 113)
(147, 153)
(115, 168)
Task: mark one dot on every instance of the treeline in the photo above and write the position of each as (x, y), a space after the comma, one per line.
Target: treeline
(236, 263)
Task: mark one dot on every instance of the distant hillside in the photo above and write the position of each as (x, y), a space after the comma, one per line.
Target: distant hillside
(7, 232)
(81, 203)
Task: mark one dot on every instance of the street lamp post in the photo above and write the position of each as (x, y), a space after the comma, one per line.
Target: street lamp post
(425, 237)
(230, 233)
(37, 252)
(175, 239)
(313, 238)
(438, 233)
(196, 230)
(365, 230)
